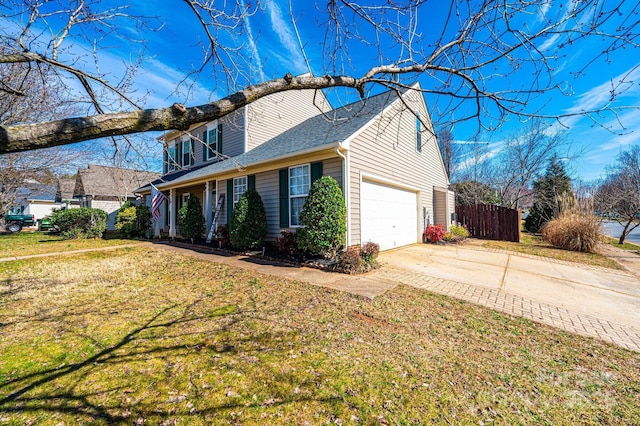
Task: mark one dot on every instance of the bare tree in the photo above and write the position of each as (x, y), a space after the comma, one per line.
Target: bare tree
(452, 153)
(619, 195)
(465, 56)
(524, 157)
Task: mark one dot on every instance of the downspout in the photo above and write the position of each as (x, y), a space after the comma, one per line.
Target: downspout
(346, 179)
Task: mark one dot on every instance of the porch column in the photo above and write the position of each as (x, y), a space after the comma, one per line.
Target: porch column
(207, 204)
(172, 213)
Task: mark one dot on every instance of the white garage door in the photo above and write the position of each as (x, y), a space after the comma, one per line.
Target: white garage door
(388, 215)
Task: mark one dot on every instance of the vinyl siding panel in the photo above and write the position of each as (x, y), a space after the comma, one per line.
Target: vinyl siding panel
(272, 115)
(387, 149)
(233, 133)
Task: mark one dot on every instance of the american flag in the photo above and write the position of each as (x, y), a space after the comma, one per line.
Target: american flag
(157, 198)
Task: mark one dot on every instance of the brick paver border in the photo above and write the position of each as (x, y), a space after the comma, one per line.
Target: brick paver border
(512, 304)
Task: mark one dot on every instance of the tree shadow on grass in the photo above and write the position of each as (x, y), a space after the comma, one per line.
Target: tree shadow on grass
(39, 394)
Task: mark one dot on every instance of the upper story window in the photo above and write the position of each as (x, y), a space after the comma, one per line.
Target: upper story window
(418, 133)
(187, 152)
(239, 188)
(299, 184)
(213, 141)
(172, 159)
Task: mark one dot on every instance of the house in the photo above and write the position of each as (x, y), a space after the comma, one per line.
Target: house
(107, 188)
(40, 199)
(382, 151)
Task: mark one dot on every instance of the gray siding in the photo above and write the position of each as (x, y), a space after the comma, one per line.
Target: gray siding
(270, 116)
(233, 133)
(387, 149)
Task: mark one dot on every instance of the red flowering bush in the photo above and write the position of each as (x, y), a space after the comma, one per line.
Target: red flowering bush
(435, 233)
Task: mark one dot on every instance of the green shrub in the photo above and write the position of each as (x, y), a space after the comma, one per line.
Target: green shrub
(126, 220)
(459, 231)
(324, 217)
(248, 226)
(133, 221)
(143, 219)
(190, 219)
(80, 223)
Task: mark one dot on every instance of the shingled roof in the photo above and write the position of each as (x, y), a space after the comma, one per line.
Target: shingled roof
(98, 180)
(313, 134)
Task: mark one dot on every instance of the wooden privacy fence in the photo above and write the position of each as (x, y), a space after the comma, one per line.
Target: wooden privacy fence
(491, 222)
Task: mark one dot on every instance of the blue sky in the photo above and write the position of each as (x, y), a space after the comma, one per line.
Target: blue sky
(269, 39)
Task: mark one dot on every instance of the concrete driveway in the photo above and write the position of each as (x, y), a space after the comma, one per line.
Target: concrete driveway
(588, 300)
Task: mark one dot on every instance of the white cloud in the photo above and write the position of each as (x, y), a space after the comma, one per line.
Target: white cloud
(255, 54)
(286, 37)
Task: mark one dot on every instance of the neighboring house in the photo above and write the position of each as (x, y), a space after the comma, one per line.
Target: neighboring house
(40, 199)
(382, 151)
(107, 188)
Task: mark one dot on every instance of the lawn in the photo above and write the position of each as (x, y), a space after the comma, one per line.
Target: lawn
(28, 243)
(535, 245)
(140, 335)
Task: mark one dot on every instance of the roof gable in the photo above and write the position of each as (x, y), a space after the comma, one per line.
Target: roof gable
(98, 180)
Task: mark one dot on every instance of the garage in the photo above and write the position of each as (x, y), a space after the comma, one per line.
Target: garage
(388, 215)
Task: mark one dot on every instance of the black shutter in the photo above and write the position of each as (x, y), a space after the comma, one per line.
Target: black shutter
(284, 198)
(316, 171)
(220, 138)
(165, 161)
(251, 182)
(179, 154)
(205, 145)
(229, 199)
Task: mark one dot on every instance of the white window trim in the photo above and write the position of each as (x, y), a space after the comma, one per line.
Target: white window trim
(308, 165)
(210, 155)
(246, 187)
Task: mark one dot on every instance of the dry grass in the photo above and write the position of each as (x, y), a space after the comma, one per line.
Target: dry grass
(139, 335)
(535, 245)
(29, 243)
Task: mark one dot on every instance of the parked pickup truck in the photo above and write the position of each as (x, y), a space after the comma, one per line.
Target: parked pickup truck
(15, 222)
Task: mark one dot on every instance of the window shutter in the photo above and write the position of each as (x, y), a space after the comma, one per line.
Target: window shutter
(165, 161)
(229, 199)
(179, 154)
(205, 145)
(284, 198)
(192, 154)
(220, 138)
(316, 171)
(251, 182)
(418, 133)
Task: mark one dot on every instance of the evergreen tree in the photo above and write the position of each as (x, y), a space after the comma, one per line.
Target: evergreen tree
(248, 226)
(190, 219)
(548, 190)
(324, 217)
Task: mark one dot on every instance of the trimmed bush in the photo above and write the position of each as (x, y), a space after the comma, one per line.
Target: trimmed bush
(190, 219)
(435, 233)
(80, 223)
(324, 217)
(143, 220)
(248, 226)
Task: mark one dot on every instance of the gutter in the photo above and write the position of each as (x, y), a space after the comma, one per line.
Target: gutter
(346, 180)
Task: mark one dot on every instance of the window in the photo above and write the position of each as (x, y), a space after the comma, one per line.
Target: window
(418, 133)
(299, 183)
(187, 152)
(239, 188)
(212, 143)
(172, 158)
